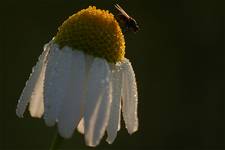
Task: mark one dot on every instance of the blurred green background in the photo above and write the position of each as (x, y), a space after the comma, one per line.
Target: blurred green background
(178, 58)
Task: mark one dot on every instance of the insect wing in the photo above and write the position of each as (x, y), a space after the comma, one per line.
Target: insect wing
(121, 10)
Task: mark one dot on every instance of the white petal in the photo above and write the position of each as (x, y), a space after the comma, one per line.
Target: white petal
(98, 101)
(58, 76)
(114, 121)
(71, 110)
(80, 126)
(102, 116)
(129, 98)
(36, 106)
(33, 91)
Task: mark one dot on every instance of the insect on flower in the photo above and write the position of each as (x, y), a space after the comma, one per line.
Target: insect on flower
(82, 80)
(126, 20)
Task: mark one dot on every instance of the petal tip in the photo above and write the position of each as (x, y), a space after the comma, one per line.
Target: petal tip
(19, 112)
(132, 131)
(20, 115)
(64, 133)
(91, 144)
(109, 141)
(35, 115)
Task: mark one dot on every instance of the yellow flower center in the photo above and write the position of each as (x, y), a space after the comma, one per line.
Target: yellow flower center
(95, 32)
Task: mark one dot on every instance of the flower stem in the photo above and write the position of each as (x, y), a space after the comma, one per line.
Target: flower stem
(56, 141)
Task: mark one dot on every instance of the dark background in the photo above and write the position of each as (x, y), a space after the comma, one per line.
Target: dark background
(178, 58)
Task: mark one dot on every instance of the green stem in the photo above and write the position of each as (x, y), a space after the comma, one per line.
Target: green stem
(56, 141)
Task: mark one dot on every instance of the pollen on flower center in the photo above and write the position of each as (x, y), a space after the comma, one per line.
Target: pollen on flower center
(94, 31)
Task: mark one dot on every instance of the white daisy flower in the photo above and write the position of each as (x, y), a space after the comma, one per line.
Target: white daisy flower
(82, 79)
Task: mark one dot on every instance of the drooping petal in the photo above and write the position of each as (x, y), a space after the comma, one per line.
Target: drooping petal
(103, 116)
(33, 90)
(114, 121)
(98, 101)
(129, 98)
(36, 106)
(57, 78)
(80, 126)
(72, 105)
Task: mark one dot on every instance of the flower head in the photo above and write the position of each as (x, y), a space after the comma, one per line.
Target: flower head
(94, 31)
(82, 79)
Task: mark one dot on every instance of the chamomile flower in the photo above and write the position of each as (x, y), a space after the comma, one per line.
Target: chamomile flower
(82, 79)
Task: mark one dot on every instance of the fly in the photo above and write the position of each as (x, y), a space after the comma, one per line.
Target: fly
(126, 20)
